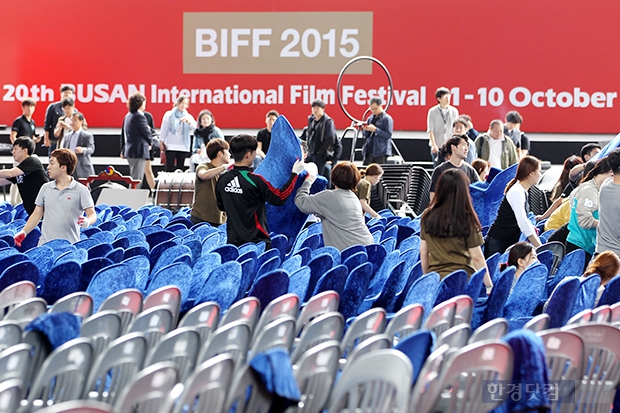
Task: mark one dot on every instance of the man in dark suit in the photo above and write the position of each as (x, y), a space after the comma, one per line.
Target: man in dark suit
(138, 137)
(82, 144)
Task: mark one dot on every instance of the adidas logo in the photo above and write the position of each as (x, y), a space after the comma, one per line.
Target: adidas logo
(233, 186)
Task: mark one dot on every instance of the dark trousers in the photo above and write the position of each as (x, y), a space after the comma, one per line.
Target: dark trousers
(381, 160)
(175, 160)
(320, 161)
(492, 245)
(559, 235)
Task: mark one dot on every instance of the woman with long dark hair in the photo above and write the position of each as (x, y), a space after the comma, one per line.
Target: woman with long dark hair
(450, 229)
(512, 218)
(521, 256)
(584, 210)
(560, 185)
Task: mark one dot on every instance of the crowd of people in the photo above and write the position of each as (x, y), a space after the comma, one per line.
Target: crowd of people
(582, 213)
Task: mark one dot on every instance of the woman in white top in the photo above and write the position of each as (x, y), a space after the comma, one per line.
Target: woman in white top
(176, 128)
(512, 217)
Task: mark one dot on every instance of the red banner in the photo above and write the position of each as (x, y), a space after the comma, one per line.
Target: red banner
(553, 64)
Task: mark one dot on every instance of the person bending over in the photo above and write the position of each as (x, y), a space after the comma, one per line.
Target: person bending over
(340, 210)
(450, 230)
(512, 218)
(60, 203)
(370, 177)
(242, 194)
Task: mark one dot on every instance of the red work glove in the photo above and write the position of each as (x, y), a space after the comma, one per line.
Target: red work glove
(19, 238)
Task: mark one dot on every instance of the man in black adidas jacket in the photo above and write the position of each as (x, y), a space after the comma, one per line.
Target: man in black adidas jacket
(242, 194)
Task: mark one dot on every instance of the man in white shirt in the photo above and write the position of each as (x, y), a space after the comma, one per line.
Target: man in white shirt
(496, 147)
(440, 119)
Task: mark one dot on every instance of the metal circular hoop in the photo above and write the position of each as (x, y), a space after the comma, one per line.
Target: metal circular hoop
(349, 63)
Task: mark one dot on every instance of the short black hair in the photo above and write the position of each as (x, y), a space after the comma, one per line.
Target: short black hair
(242, 144)
(439, 93)
(135, 102)
(376, 100)
(514, 117)
(64, 88)
(614, 160)
(272, 112)
(587, 148)
(29, 102)
(79, 116)
(67, 102)
(454, 140)
(25, 142)
(319, 103)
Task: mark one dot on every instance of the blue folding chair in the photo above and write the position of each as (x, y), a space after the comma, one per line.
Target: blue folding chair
(108, 281)
(228, 252)
(587, 293)
(334, 279)
(451, 285)
(424, 292)
(292, 264)
(116, 255)
(200, 272)
(562, 301)
(298, 281)
(417, 347)
(474, 285)
(611, 295)
(248, 269)
(20, 271)
(90, 268)
(493, 306)
(63, 279)
(414, 274)
(355, 290)
(99, 250)
(355, 260)
(572, 265)
(141, 268)
(194, 246)
(354, 249)
(280, 243)
(333, 251)
(319, 265)
(527, 292)
(222, 285)
(392, 286)
(42, 257)
(269, 287)
(158, 237)
(305, 254)
(376, 255)
(175, 254)
(173, 274)
(270, 265)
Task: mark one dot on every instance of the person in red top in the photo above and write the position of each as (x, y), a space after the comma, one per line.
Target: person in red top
(242, 194)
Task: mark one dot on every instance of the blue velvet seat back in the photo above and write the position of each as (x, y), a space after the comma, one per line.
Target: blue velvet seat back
(417, 347)
(319, 265)
(222, 285)
(423, 291)
(228, 252)
(62, 279)
(611, 295)
(587, 293)
(527, 292)
(414, 274)
(356, 260)
(562, 301)
(451, 285)
(334, 279)
(20, 271)
(269, 287)
(355, 290)
(298, 281)
(90, 268)
(201, 271)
